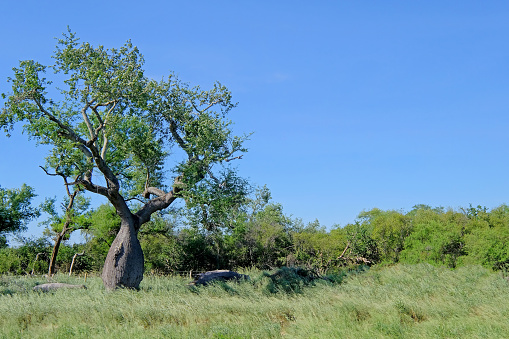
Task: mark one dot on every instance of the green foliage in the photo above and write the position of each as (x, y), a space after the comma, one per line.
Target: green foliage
(316, 248)
(254, 232)
(22, 260)
(16, 209)
(163, 255)
(267, 236)
(104, 226)
(436, 238)
(74, 216)
(361, 241)
(109, 82)
(103, 114)
(487, 243)
(218, 202)
(389, 230)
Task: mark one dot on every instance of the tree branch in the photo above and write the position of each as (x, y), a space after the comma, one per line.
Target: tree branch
(155, 205)
(178, 139)
(87, 121)
(86, 147)
(89, 186)
(103, 124)
(159, 203)
(71, 135)
(206, 108)
(230, 159)
(155, 191)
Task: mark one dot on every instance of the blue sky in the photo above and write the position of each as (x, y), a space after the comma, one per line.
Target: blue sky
(353, 105)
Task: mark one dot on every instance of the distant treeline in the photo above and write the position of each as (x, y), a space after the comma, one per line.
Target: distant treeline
(266, 238)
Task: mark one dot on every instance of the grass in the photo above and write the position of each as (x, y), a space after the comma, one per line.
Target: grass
(402, 301)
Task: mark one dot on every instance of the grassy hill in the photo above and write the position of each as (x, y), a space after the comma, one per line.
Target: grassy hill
(401, 301)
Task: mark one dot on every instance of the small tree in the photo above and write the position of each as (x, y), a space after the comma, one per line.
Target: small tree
(60, 226)
(108, 117)
(16, 210)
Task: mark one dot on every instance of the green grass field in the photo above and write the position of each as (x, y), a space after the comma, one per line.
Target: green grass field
(402, 301)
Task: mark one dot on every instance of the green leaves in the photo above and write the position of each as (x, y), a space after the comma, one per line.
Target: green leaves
(99, 74)
(106, 116)
(15, 208)
(72, 214)
(218, 202)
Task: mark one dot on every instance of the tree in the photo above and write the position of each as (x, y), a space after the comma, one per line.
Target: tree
(361, 242)
(29, 256)
(105, 225)
(108, 117)
(437, 236)
(317, 249)
(263, 239)
(16, 210)
(60, 226)
(389, 230)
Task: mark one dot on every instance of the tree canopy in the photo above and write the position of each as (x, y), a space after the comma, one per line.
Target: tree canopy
(124, 136)
(16, 209)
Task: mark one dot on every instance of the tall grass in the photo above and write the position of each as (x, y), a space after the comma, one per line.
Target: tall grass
(419, 301)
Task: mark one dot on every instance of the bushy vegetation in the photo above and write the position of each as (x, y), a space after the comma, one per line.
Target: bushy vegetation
(437, 236)
(400, 301)
(263, 237)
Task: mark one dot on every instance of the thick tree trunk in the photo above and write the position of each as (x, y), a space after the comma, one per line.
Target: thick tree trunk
(124, 263)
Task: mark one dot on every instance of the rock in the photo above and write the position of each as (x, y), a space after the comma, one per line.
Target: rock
(55, 286)
(222, 275)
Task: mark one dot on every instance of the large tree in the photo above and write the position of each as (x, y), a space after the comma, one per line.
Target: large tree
(108, 118)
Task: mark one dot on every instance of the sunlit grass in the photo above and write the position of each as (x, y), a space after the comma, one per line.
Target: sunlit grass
(401, 301)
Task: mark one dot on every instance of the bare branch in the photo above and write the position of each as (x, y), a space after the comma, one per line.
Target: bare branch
(89, 186)
(87, 121)
(146, 194)
(212, 176)
(155, 191)
(73, 259)
(105, 141)
(206, 108)
(103, 104)
(154, 205)
(102, 123)
(137, 199)
(239, 157)
(178, 139)
(65, 182)
(52, 174)
(347, 246)
(105, 146)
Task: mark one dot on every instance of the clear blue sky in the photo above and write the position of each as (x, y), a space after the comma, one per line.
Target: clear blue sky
(354, 104)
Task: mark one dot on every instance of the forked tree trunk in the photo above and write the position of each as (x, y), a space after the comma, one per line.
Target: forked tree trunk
(124, 263)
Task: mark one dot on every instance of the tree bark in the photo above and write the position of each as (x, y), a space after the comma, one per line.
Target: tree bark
(58, 240)
(53, 259)
(73, 260)
(124, 263)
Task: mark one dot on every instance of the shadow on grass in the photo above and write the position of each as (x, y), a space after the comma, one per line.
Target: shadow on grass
(292, 280)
